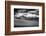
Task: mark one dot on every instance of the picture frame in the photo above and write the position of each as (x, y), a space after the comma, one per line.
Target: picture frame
(9, 5)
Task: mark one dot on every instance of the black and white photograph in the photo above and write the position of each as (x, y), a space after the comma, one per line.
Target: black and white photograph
(26, 17)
